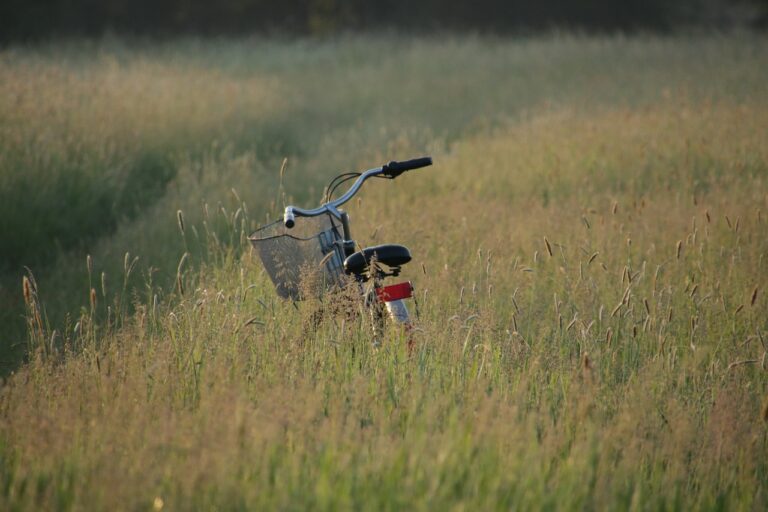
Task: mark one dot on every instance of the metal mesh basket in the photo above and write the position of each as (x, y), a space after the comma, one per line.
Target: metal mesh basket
(304, 260)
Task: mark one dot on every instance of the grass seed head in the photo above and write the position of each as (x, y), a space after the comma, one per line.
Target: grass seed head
(180, 221)
(27, 290)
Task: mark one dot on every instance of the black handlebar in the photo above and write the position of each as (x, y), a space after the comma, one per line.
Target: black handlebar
(395, 169)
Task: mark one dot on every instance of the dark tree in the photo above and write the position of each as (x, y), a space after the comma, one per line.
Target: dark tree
(36, 19)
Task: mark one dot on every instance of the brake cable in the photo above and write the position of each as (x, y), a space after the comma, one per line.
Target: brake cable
(334, 184)
(345, 177)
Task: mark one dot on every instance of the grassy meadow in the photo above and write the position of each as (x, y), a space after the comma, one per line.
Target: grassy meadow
(590, 260)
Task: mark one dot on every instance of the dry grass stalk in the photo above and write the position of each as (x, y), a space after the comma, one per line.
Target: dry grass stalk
(514, 303)
(742, 362)
(625, 296)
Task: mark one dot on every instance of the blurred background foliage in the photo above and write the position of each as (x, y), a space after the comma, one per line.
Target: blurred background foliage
(39, 19)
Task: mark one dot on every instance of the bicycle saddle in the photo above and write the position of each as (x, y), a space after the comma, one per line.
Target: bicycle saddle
(389, 254)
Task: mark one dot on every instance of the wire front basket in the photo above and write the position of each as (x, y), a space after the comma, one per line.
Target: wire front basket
(304, 260)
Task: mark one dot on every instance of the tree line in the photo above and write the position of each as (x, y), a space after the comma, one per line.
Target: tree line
(36, 19)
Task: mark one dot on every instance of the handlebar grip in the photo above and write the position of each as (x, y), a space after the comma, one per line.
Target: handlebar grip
(289, 219)
(394, 169)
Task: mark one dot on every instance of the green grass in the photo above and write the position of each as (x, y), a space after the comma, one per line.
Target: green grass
(589, 258)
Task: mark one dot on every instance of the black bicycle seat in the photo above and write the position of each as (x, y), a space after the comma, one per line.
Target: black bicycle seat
(389, 254)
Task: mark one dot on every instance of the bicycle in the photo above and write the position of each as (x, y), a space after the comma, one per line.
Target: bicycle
(311, 251)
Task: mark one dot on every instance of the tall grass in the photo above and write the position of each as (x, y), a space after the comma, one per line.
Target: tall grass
(590, 269)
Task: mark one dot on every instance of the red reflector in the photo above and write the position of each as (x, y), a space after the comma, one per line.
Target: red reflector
(395, 292)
